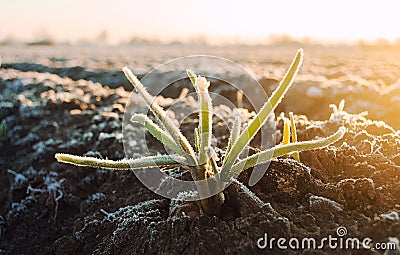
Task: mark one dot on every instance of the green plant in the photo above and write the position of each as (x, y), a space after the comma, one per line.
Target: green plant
(3, 128)
(200, 160)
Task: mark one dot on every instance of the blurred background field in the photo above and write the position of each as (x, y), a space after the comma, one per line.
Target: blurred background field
(368, 77)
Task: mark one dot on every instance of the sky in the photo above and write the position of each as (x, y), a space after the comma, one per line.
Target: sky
(249, 20)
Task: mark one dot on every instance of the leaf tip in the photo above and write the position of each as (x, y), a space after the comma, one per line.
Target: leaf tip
(59, 156)
(126, 69)
(192, 76)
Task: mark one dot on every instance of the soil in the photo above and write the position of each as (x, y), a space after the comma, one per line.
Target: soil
(53, 208)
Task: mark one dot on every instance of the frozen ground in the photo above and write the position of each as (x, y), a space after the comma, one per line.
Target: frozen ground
(68, 99)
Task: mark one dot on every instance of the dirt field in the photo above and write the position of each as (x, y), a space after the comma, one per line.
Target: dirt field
(71, 99)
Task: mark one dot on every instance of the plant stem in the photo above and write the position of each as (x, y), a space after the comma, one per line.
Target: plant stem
(286, 133)
(124, 164)
(280, 150)
(162, 116)
(296, 154)
(196, 140)
(205, 118)
(254, 126)
(3, 128)
(235, 133)
(212, 205)
(157, 132)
